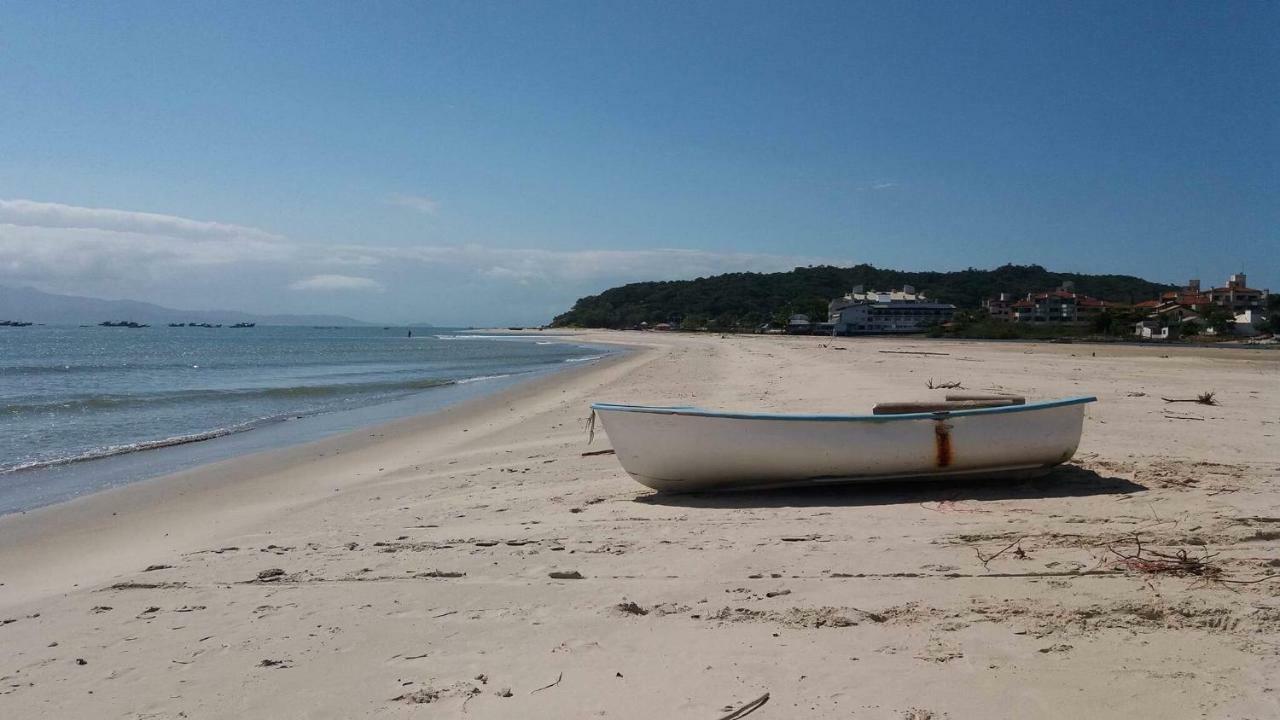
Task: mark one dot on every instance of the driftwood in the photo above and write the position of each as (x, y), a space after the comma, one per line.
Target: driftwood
(544, 687)
(1202, 399)
(964, 396)
(746, 709)
(610, 451)
(944, 385)
(911, 352)
(929, 407)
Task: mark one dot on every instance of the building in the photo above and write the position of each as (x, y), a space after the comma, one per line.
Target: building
(1062, 307)
(1153, 329)
(799, 325)
(1237, 296)
(1190, 304)
(1245, 323)
(1000, 308)
(866, 312)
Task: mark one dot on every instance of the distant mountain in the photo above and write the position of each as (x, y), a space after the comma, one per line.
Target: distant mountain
(747, 299)
(36, 306)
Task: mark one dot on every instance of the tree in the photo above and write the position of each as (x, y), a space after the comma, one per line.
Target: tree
(807, 291)
(1220, 320)
(1104, 322)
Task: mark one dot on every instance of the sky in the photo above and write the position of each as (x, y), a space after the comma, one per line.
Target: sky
(474, 163)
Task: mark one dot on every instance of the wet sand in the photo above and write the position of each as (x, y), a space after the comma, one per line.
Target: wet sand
(405, 571)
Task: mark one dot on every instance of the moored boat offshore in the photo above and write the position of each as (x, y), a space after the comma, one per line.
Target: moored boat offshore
(685, 449)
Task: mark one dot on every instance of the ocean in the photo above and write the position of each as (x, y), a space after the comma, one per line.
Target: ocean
(82, 409)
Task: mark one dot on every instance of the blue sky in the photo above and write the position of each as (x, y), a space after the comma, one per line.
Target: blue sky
(491, 162)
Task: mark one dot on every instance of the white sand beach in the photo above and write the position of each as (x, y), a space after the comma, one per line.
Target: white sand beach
(403, 571)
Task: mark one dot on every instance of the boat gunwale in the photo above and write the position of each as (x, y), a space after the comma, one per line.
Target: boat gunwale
(690, 411)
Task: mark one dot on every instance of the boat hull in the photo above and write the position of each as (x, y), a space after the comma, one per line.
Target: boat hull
(688, 450)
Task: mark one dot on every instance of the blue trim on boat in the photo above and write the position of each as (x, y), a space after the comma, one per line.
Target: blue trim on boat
(699, 412)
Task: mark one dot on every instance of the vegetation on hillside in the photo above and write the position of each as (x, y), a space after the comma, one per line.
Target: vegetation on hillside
(741, 300)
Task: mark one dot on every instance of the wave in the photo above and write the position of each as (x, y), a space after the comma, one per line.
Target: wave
(112, 402)
(127, 448)
(515, 338)
(480, 378)
(113, 450)
(584, 359)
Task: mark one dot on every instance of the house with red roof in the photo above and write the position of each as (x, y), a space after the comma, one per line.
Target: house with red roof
(1063, 306)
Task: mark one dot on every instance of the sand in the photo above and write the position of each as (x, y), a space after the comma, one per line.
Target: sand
(405, 571)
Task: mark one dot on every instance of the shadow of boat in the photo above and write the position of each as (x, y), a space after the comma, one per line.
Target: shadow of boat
(1063, 481)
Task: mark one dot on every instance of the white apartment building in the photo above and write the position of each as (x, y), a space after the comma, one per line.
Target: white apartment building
(867, 312)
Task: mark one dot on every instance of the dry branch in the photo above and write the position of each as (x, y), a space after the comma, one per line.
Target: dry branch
(1180, 563)
(984, 559)
(544, 687)
(1205, 398)
(746, 709)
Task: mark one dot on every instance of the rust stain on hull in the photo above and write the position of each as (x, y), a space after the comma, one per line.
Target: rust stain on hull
(943, 453)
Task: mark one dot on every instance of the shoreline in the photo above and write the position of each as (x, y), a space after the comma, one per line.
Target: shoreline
(101, 512)
(55, 481)
(367, 575)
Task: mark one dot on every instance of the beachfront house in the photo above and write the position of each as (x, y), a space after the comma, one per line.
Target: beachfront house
(1246, 322)
(1237, 296)
(799, 325)
(1000, 307)
(1190, 305)
(1063, 306)
(1153, 329)
(867, 312)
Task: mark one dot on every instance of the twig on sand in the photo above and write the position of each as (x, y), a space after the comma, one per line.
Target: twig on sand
(610, 451)
(911, 352)
(985, 559)
(1181, 417)
(1205, 398)
(747, 709)
(544, 687)
(1180, 564)
(944, 385)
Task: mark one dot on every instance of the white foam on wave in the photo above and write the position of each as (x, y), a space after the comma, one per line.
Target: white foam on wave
(584, 359)
(464, 381)
(113, 450)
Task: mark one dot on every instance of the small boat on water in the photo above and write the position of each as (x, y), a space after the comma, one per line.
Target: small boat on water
(686, 449)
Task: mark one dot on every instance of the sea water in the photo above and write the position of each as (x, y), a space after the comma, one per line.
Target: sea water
(79, 396)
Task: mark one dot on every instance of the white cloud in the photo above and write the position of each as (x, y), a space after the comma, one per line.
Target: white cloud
(30, 213)
(419, 203)
(165, 258)
(337, 282)
(530, 264)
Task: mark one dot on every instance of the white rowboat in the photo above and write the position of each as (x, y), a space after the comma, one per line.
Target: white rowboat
(685, 449)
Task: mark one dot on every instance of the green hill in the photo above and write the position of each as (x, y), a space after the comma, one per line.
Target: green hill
(749, 299)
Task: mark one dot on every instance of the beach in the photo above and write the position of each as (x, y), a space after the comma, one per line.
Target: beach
(405, 570)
